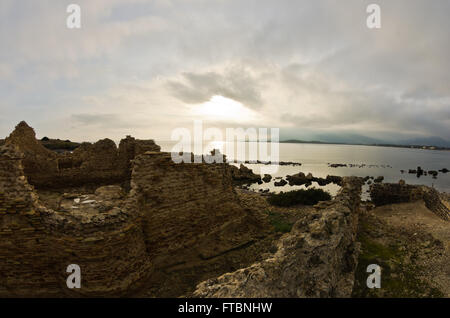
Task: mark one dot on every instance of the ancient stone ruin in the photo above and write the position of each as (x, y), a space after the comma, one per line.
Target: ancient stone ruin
(147, 218)
(317, 258)
(37, 244)
(140, 225)
(388, 193)
(99, 163)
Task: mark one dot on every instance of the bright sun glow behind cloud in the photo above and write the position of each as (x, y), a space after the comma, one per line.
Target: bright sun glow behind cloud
(224, 109)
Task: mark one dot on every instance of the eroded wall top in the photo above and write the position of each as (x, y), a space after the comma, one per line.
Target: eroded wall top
(98, 163)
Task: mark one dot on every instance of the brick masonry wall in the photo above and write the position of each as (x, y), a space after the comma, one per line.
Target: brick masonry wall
(388, 193)
(190, 211)
(433, 202)
(25, 265)
(37, 244)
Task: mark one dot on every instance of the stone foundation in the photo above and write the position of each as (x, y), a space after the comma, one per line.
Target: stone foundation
(388, 193)
(317, 258)
(37, 244)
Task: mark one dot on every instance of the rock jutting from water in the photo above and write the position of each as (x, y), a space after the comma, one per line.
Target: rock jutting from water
(302, 179)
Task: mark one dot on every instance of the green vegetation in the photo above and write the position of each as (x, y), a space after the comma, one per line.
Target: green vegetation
(279, 223)
(57, 144)
(399, 277)
(306, 197)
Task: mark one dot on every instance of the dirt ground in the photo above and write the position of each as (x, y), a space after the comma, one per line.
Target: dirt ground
(412, 246)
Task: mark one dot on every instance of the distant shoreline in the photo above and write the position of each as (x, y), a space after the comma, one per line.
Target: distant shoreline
(423, 147)
(294, 141)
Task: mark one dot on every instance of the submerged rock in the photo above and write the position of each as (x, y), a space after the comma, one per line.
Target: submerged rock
(334, 179)
(297, 179)
(378, 179)
(434, 173)
(280, 183)
(267, 178)
(337, 165)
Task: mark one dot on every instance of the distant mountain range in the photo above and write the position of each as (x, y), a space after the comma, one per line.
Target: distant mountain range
(435, 142)
(426, 141)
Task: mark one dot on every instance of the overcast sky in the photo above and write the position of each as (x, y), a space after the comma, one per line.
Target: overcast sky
(144, 68)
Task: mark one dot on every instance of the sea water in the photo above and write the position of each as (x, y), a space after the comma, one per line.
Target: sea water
(378, 161)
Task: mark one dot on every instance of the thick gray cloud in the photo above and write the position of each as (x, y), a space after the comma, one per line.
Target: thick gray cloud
(143, 67)
(236, 84)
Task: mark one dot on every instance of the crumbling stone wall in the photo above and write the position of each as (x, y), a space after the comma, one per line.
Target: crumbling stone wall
(190, 210)
(316, 259)
(98, 163)
(37, 244)
(433, 202)
(37, 159)
(25, 267)
(388, 193)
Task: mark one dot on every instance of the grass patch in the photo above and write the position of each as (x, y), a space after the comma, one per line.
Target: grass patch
(305, 197)
(399, 278)
(279, 223)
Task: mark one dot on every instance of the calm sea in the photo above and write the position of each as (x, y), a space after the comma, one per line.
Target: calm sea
(379, 161)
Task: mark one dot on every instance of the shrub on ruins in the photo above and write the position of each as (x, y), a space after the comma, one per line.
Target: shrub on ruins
(279, 223)
(305, 197)
(57, 144)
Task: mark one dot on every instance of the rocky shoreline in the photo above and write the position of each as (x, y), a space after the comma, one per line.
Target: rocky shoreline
(245, 178)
